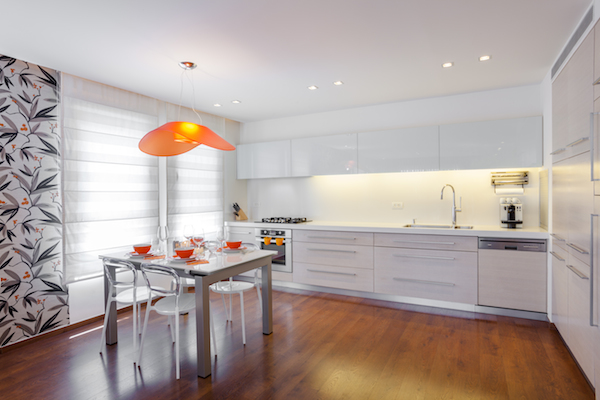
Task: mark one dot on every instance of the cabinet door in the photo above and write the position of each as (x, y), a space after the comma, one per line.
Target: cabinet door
(560, 116)
(595, 147)
(264, 160)
(324, 155)
(508, 143)
(560, 200)
(560, 290)
(399, 150)
(578, 205)
(597, 60)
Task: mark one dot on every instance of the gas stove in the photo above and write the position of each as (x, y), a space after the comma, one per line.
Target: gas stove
(285, 220)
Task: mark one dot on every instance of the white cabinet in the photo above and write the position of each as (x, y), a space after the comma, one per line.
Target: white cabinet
(264, 160)
(509, 143)
(324, 155)
(560, 289)
(399, 150)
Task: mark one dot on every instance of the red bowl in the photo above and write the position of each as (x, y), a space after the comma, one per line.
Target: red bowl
(184, 252)
(142, 248)
(233, 245)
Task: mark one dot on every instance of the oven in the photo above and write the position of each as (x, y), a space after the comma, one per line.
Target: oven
(281, 242)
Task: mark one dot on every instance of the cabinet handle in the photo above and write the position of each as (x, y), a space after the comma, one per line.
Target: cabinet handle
(559, 258)
(334, 250)
(558, 151)
(418, 241)
(592, 270)
(331, 272)
(577, 248)
(426, 257)
(330, 237)
(583, 139)
(577, 272)
(425, 282)
(555, 236)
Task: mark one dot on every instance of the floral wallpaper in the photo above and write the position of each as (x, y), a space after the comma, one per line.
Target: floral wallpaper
(33, 298)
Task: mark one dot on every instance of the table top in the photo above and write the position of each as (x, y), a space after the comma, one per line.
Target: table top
(216, 263)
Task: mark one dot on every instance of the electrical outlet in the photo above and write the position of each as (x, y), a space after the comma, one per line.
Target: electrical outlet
(397, 205)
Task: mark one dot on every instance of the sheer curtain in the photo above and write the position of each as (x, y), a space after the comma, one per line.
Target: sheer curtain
(110, 186)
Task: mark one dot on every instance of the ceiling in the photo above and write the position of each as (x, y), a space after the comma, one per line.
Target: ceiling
(266, 53)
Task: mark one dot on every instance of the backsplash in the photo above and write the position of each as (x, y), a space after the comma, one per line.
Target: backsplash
(369, 198)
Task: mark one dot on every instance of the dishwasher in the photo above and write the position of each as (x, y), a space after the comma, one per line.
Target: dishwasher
(513, 274)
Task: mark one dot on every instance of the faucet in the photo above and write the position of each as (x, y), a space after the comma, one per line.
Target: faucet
(454, 209)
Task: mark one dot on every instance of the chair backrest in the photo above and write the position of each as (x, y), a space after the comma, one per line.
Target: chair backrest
(119, 264)
(175, 289)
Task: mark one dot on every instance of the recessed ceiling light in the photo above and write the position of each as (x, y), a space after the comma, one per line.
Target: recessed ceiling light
(484, 58)
(312, 87)
(338, 83)
(217, 105)
(447, 65)
(236, 102)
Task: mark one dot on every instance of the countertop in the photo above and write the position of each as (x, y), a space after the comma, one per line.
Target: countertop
(478, 230)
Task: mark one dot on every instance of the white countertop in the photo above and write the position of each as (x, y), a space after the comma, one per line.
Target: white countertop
(478, 230)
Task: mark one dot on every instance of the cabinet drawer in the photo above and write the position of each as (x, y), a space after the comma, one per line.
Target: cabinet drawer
(441, 242)
(334, 237)
(241, 234)
(431, 274)
(513, 279)
(331, 276)
(333, 254)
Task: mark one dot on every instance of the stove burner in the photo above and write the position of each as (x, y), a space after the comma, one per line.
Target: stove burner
(282, 220)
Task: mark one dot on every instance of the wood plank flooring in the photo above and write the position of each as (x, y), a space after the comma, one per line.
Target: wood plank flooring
(324, 346)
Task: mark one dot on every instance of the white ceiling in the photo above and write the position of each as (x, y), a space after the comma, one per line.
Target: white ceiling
(266, 52)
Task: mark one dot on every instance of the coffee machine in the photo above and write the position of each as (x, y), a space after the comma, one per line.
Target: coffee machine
(511, 213)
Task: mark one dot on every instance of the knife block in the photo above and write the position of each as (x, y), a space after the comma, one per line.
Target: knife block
(241, 216)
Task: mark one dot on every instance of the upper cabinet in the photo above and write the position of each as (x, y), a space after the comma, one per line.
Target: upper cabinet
(324, 155)
(508, 143)
(264, 160)
(399, 150)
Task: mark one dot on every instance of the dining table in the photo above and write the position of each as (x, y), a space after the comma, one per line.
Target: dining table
(221, 266)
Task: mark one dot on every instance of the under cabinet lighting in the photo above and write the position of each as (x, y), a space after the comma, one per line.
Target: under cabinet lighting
(447, 65)
(312, 87)
(485, 58)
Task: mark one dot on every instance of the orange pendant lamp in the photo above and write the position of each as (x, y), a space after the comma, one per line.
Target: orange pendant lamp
(174, 138)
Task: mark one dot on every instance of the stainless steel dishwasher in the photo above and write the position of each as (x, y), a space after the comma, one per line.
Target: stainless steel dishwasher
(513, 273)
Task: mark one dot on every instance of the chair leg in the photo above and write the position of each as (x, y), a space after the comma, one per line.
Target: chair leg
(171, 327)
(259, 298)
(243, 320)
(231, 307)
(135, 326)
(225, 306)
(106, 314)
(177, 343)
(148, 307)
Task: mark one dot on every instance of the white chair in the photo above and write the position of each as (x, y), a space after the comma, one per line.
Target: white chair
(131, 294)
(232, 287)
(173, 303)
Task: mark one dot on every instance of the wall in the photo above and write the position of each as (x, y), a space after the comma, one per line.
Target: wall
(367, 198)
(33, 299)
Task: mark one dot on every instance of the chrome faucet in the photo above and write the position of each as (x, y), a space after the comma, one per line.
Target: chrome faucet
(454, 209)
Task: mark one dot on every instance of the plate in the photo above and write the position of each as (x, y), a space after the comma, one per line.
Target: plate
(228, 250)
(181, 260)
(136, 255)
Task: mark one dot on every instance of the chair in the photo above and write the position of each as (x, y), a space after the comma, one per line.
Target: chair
(130, 295)
(172, 304)
(231, 287)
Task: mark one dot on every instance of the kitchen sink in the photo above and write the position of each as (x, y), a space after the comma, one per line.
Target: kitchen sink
(433, 226)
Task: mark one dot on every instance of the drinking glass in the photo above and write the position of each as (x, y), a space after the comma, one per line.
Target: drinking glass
(198, 237)
(188, 233)
(162, 234)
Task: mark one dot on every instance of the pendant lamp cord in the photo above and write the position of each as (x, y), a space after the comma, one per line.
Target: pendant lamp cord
(193, 97)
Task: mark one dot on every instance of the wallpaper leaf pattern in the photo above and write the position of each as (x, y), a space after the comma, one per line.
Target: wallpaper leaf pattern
(33, 298)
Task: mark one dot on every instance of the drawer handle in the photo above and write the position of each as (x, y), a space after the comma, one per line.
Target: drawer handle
(330, 237)
(583, 139)
(577, 248)
(331, 272)
(577, 272)
(426, 257)
(417, 241)
(334, 250)
(555, 236)
(426, 282)
(558, 151)
(559, 258)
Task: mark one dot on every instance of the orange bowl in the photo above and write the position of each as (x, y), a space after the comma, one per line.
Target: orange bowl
(233, 245)
(142, 248)
(184, 252)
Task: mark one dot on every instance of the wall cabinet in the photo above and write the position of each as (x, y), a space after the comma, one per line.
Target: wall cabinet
(324, 155)
(399, 150)
(492, 144)
(264, 160)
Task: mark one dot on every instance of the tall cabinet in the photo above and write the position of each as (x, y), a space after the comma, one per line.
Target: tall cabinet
(573, 205)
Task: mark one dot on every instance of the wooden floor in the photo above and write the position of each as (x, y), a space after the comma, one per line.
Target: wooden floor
(323, 347)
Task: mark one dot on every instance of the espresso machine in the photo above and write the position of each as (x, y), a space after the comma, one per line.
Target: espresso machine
(511, 213)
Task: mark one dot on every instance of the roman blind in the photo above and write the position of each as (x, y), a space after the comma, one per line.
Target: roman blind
(110, 186)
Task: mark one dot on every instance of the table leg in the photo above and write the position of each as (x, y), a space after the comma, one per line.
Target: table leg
(111, 329)
(203, 327)
(267, 299)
